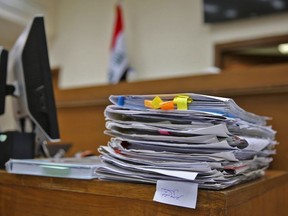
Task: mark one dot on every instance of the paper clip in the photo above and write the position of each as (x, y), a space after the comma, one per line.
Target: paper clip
(121, 100)
(167, 105)
(154, 104)
(148, 103)
(182, 102)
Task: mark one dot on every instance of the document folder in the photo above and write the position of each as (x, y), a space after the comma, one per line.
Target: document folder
(82, 168)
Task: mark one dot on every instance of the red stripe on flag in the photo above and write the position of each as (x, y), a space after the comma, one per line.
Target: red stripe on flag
(118, 25)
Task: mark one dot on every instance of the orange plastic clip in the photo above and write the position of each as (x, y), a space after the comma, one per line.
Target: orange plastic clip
(148, 104)
(168, 105)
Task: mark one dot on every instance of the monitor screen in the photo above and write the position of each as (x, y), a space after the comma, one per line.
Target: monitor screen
(215, 11)
(30, 68)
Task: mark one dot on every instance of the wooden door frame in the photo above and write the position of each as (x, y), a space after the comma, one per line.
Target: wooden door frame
(222, 49)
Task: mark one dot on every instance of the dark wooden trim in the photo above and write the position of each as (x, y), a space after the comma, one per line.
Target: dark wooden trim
(223, 48)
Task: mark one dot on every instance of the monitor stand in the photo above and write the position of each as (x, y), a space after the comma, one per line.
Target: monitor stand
(16, 145)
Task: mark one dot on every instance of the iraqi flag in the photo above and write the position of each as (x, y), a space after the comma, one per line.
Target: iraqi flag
(118, 65)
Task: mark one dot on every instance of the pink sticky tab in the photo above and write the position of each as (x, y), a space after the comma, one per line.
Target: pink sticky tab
(164, 132)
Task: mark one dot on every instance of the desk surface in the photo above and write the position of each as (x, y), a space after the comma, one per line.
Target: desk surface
(58, 196)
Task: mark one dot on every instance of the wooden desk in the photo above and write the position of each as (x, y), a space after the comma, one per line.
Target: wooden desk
(32, 195)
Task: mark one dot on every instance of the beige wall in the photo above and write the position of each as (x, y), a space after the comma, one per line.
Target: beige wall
(164, 38)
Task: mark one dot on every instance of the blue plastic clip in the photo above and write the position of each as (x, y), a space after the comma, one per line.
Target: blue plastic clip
(121, 100)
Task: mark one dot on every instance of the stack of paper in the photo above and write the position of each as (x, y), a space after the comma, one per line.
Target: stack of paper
(190, 137)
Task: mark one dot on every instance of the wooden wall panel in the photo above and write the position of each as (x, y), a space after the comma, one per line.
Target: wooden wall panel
(83, 127)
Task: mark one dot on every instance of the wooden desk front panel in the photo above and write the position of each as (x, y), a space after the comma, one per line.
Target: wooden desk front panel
(34, 196)
(31, 201)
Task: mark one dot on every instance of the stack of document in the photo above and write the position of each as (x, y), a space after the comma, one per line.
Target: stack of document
(189, 137)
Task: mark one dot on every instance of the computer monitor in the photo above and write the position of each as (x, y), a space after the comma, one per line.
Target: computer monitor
(3, 77)
(5, 89)
(29, 67)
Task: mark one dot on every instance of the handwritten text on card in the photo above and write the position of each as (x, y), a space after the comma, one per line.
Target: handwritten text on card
(176, 193)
